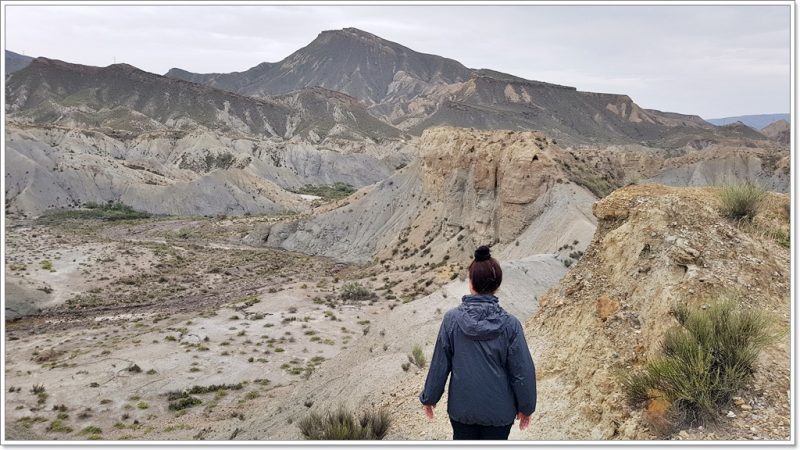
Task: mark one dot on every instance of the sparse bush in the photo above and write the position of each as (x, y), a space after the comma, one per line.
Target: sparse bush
(356, 292)
(110, 211)
(705, 361)
(183, 403)
(742, 201)
(57, 426)
(343, 425)
(91, 430)
(334, 191)
(417, 356)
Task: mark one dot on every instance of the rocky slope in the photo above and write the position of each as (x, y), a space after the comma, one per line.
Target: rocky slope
(518, 190)
(415, 91)
(777, 131)
(180, 171)
(564, 113)
(466, 188)
(655, 247)
(176, 147)
(325, 114)
(352, 61)
(123, 98)
(15, 61)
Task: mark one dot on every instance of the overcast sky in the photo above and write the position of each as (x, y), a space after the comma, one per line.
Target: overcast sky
(713, 61)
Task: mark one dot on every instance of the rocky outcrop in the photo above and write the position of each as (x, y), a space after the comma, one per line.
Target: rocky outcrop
(466, 188)
(655, 247)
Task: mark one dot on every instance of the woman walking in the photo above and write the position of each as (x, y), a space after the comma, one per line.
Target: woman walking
(483, 349)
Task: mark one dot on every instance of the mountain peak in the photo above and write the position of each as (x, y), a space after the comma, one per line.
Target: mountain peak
(351, 31)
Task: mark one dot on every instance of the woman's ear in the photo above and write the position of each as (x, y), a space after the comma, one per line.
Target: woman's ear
(469, 284)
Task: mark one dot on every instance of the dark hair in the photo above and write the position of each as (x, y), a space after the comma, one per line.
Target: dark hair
(485, 272)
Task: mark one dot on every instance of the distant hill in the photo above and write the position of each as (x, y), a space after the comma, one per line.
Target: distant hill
(777, 131)
(757, 121)
(122, 97)
(415, 91)
(349, 60)
(15, 61)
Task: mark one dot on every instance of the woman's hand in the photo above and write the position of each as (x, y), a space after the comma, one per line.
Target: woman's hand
(524, 420)
(428, 411)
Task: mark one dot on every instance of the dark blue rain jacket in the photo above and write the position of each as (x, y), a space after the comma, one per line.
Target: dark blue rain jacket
(484, 350)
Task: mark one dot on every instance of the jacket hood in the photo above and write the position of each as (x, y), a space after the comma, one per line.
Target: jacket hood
(481, 317)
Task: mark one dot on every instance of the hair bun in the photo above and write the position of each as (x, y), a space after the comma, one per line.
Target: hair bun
(482, 253)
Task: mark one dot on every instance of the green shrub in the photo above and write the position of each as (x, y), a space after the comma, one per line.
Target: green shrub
(742, 201)
(91, 430)
(417, 356)
(356, 291)
(110, 211)
(343, 425)
(57, 426)
(183, 403)
(334, 191)
(705, 361)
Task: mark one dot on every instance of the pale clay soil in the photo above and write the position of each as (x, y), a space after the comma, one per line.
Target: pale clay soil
(175, 348)
(188, 304)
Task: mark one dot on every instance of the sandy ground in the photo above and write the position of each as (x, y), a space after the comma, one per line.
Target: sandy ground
(136, 310)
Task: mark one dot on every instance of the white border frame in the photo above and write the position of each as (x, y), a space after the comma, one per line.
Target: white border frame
(538, 444)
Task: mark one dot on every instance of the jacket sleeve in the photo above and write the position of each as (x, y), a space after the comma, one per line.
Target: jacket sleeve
(441, 363)
(522, 372)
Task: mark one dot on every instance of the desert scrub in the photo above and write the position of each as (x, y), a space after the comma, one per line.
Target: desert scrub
(91, 430)
(356, 292)
(342, 424)
(57, 426)
(742, 201)
(184, 402)
(417, 356)
(110, 211)
(333, 191)
(704, 361)
(46, 264)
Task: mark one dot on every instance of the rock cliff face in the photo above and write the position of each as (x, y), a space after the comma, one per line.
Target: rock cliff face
(466, 188)
(655, 247)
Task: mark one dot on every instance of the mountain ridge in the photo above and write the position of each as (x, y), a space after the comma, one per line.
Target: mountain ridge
(413, 91)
